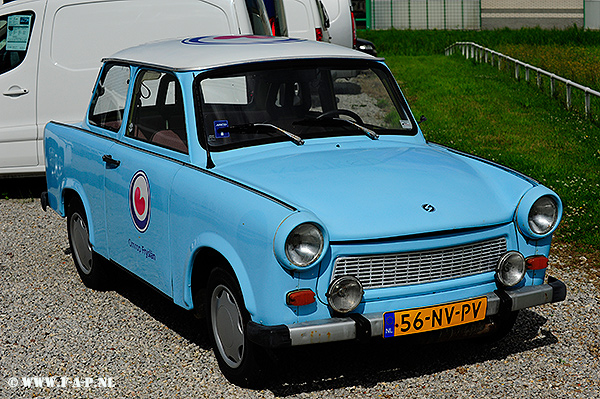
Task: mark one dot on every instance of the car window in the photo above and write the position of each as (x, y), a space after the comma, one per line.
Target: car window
(157, 112)
(15, 34)
(253, 107)
(110, 96)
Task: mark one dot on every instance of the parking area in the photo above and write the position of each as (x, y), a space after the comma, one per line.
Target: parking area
(131, 342)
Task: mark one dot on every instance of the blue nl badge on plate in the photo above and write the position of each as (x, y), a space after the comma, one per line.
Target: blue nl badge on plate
(220, 133)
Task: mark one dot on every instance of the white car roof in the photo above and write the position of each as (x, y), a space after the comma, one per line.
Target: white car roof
(215, 51)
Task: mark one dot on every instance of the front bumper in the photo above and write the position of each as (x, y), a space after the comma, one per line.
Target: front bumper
(357, 326)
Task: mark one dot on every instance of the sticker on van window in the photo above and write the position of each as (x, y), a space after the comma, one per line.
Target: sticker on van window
(17, 36)
(220, 132)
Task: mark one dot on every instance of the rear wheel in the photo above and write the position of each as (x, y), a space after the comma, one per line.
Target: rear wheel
(88, 264)
(240, 360)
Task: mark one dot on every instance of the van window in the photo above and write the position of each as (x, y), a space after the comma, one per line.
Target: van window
(258, 17)
(157, 113)
(15, 32)
(108, 103)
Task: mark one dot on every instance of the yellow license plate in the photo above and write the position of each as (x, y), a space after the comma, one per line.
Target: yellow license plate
(404, 322)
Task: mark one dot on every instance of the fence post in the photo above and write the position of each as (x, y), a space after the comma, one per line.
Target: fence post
(516, 70)
(588, 106)
(552, 84)
(539, 78)
(569, 90)
(526, 73)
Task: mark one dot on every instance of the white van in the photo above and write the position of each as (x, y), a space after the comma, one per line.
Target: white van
(51, 51)
(307, 19)
(341, 22)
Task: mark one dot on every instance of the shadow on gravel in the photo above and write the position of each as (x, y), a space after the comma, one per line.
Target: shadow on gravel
(161, 308)
(27, 187)
(349, 364)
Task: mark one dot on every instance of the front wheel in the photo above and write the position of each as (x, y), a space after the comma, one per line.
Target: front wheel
(88, 264)
(240, 360)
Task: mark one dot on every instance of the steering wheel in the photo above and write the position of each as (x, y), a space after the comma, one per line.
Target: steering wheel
(338, 112)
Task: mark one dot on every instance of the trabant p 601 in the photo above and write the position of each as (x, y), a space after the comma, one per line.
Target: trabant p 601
(284, 189)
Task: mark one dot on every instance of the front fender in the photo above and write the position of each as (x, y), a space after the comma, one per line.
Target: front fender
(217, 243)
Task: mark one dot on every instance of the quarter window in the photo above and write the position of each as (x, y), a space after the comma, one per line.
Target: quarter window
(108, 103)
(15, 34)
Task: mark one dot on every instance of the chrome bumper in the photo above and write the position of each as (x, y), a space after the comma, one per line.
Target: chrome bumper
(356, 326)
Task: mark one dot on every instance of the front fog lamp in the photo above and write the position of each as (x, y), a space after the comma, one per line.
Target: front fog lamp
(344, 294)
(543, 215)
(511, 269)
(304, 245)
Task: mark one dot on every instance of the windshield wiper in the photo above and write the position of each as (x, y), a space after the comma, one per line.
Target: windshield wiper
(336, 122)
(254, 126)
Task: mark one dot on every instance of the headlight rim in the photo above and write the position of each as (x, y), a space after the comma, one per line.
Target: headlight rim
(555, 216)
(525, 206)
(337, 281)
(286, 226)
(318, 253)
(500, 278)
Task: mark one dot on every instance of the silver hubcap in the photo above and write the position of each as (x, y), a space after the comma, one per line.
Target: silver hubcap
(228, 330)
(81, 243)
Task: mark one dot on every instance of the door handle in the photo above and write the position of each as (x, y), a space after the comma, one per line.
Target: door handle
(110, 161)
(15, 91)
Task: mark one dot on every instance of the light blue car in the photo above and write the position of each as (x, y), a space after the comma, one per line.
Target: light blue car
(283, 189)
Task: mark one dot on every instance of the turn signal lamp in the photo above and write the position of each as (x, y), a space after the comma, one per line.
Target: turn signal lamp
(536, 262)
(300, 297)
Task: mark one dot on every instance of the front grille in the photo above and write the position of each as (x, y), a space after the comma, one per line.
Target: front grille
(391, 270)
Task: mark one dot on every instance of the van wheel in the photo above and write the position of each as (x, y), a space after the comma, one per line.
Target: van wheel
(240, 360)
(88, 264)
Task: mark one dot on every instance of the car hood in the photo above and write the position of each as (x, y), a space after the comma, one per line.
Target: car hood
(386, 189)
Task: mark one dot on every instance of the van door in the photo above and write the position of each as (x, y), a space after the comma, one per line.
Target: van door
(19, 46)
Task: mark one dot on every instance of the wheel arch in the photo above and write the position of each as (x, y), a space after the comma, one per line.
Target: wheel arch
(74, 191)
(216, 254)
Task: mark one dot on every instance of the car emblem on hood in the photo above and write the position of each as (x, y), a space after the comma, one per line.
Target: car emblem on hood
(428, 207)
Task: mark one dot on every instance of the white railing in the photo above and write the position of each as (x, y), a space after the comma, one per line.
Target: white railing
(482, 54)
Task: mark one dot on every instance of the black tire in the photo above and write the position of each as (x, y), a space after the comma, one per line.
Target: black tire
(240, 360)
(88, 264)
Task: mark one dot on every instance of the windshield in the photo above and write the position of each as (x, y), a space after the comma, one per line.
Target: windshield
(277, 102)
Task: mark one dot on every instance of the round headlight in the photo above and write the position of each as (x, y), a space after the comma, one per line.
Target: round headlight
(304, 244)
(344, 294)
(511, 269)
(543, 215)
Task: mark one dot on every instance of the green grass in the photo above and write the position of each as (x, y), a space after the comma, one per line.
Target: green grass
(429, 42)
(474, 108)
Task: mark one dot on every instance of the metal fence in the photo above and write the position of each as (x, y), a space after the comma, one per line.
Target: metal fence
(521, 69)
(423, 14)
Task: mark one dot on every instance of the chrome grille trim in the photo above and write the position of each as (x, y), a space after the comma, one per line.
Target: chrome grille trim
(391, 270)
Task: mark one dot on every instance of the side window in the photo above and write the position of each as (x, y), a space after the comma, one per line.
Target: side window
(157, 114)
(15, 32)
(110, 96)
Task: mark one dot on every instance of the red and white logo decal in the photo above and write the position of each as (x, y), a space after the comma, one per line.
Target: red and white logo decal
(233, 39)
(139, 201)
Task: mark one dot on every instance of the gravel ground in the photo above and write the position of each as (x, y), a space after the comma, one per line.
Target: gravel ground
(141, 345)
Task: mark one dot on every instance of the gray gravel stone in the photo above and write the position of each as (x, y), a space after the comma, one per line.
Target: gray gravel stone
(52, 326)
